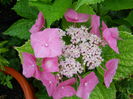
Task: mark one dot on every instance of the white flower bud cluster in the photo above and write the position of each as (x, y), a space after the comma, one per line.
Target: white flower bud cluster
(61, 33)
(82, 44)
(70, 67)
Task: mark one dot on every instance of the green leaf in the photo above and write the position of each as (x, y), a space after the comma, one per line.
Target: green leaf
(82, 2)
(53, 12)
(101, 92)
(86, 9)
(5, 80)
(118, 4)
(122, 95)
(130, 18)
(73, 97)
(126, 85)
(124, 28)
(25, 48)
(20, 29)
(9, 85)
(125, 67)
(3, 62)
(3, 50)
(44, 1)
(3, 43)
(23, 9)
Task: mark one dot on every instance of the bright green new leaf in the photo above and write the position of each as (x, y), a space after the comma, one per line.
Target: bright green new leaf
(82, 2)
(101, 92)
(25, 48)
(118, 4)
(86, 9)
(53, 12)
(130, 18)
(125, 67)
(23, 9)
(20, 29)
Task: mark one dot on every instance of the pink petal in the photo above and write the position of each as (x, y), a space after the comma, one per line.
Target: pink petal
(49, 81)
(39, 23)
(87, 85)
(50, 64)
(111, 66)
(104, 26)
(95, 24)
(73, 16)
(110, 36)
(46, 43)
(29, 64)
(114, 33)
(68, 82)
(38, 74)
(66, 91)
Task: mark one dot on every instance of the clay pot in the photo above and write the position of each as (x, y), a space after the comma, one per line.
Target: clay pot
(28, 91)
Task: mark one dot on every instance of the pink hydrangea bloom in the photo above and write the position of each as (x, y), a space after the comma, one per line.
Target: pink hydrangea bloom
(30, 69)
(39, 23)
(87, 85)
(46, 43)
(95, 24)
(50, 64)
(73, 16)
(64, 89)
(111, 66)
(111, 35)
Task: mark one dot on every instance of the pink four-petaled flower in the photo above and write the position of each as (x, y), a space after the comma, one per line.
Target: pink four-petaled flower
(111, 35)
(73, 16)
(87, 84)
(111, 66)
(39, 23)
(46, 43)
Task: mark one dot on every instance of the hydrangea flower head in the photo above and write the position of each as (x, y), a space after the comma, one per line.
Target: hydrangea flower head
(70, 53)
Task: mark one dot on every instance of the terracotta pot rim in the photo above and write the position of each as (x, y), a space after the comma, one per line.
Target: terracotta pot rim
(28, 92)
